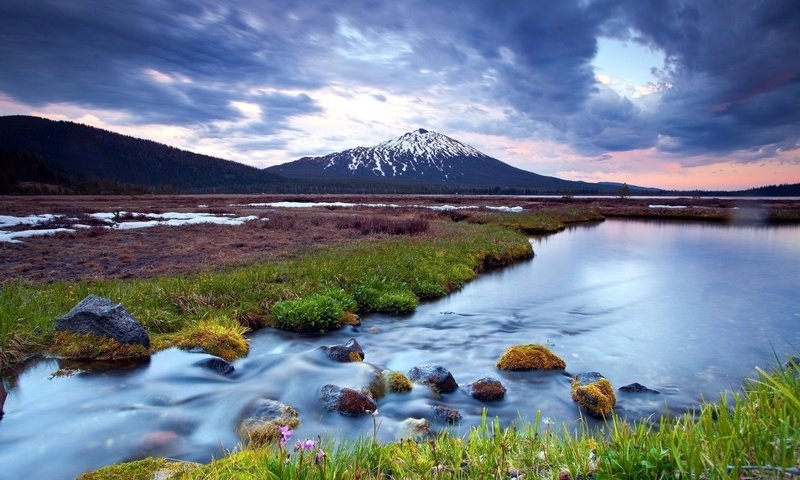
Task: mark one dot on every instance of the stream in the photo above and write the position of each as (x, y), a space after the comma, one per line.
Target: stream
(688, 309)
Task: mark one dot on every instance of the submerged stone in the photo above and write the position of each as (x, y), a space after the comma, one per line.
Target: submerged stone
(349, 352)
(262, 425)
(435, 376)
(347, 401)
(636, 387)
(413, 429)
(449, 415)
(101, 317)
(530, 357)
(594, 393)
(487, 389)
(218, 365)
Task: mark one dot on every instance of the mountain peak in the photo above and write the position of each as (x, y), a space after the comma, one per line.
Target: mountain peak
(426, 145)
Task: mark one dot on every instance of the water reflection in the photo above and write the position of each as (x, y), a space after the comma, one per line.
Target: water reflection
(687, 309)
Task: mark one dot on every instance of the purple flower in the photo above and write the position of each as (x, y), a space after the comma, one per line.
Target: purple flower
(286, 433)
(320, 456)
(305, 445)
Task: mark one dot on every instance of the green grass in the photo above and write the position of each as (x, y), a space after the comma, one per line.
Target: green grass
(539, 221)
(307, 293)
(751, 434)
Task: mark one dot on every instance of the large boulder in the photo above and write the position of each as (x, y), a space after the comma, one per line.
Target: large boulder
(487, 389)
(530, 357)
(435, 376)
(100, 317)
(349, 352)
(594, 393)
(262, 424)
(347, 401)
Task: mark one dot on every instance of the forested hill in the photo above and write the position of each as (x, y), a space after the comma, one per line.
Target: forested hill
(80, 152)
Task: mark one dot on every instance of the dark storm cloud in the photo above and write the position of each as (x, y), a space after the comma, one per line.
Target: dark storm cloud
(734, 66)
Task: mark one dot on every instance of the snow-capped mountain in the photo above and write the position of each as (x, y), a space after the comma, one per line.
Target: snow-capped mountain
(419, 157)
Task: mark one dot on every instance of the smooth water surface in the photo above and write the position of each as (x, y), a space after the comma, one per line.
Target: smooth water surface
(688, 309)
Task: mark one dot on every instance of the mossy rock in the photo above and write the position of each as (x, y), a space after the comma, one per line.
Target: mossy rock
(594, 393)
(224, 339)
(530, 357)
(145, 469)
(262, 426)
(91, 347)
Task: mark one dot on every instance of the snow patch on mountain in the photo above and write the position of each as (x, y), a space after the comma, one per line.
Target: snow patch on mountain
(415, 151)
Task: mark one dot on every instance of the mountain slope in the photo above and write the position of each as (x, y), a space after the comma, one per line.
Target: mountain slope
(425, 157)
(76, 150)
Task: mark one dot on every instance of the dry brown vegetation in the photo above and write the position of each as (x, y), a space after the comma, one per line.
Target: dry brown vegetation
(98, 252)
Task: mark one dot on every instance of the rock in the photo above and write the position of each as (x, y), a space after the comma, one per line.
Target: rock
(594, 393)
(266, 417)
(449, 415)
(349, 352)
(217, 364)
(347, 401)
(413, 428)
(530, 357)
(435, 376)
(487, 389)
(636, 388)
(102, 318)
(792, 363)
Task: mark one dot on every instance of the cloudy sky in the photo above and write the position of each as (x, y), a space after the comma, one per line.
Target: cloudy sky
(696, 94)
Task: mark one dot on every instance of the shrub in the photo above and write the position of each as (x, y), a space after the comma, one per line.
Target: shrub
(316, 313)
(394, 301)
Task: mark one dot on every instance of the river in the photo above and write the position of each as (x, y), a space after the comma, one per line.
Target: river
(689, 309)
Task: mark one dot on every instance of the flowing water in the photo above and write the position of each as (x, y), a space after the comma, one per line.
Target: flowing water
(688, 309)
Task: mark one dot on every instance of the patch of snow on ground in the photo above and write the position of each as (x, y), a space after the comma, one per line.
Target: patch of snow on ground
(373, 205)
(667, 206)
(11, 221)
(11, 237)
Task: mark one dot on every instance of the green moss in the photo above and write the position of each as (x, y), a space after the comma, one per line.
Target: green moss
(91, 347)
(221, 337)
(597, 398)
(396, 381)
(145, 469)
(530, 357)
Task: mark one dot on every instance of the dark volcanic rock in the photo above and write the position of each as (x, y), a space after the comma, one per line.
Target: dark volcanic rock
(101, 317)
(636, 387)
(487, 389)
(349, 352)
(218, 365)
(347, 401)
(435, 376)
(449, 415)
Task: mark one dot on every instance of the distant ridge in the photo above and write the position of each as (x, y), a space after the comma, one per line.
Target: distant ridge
(424, 157)
(73, 150)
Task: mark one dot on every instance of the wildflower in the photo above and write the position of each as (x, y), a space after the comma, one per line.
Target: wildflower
(305, 445)
(320, 456)
(286, 433)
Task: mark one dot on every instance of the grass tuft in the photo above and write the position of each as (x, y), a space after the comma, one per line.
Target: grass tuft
(91, 347)
(221, 337)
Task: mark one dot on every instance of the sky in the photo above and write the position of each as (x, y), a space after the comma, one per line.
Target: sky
(700, 94)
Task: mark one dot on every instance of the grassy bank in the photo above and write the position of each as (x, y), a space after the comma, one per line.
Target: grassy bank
(316, 291)
(752, 434)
